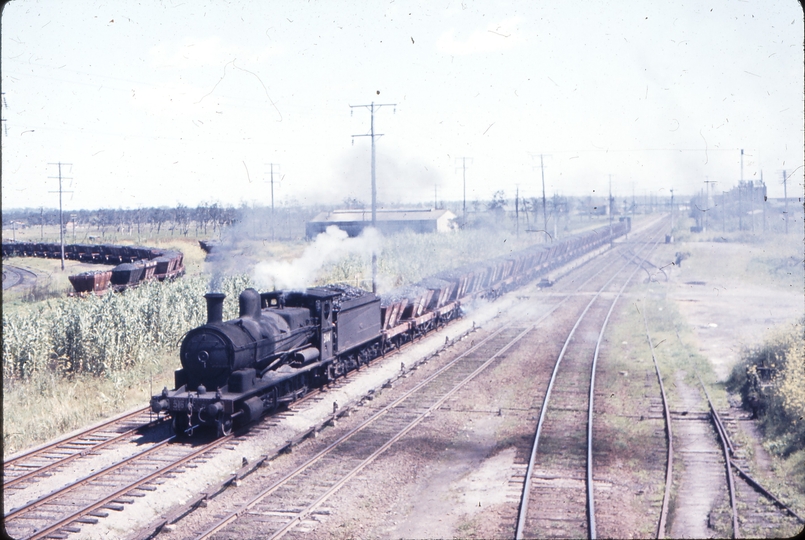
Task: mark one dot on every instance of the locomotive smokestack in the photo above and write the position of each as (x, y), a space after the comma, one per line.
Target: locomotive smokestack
(215, 307)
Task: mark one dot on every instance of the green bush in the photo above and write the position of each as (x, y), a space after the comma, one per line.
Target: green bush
(771, 381)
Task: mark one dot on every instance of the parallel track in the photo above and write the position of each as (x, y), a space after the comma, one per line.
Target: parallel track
(554, 502)
(738, 497)
(275, 510)
(62, 511)
(25, 468)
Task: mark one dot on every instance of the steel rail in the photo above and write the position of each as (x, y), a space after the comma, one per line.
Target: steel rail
(726, 448)
(523, 510)
(81, 481)
(267, 491)
(755, 484)
(661, 525)
(36, 472)
(590, 485)
(133, 485)
(67, 440)
(400, 434)
(273, 487)
(722, 431)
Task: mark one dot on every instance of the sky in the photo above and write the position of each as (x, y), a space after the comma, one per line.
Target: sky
(159, 103)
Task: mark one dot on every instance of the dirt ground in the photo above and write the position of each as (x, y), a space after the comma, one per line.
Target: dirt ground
(729, 307)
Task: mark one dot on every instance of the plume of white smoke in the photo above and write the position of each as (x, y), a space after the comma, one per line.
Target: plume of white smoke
(328, 246)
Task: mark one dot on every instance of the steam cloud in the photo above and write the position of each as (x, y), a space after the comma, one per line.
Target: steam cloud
(329, 246)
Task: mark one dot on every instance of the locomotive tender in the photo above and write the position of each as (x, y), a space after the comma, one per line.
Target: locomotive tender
(282, 344)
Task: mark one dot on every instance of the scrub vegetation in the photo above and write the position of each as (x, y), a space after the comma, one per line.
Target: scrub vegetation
(770, 379)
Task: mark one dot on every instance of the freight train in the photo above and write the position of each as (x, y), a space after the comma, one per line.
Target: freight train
(134, 264)
(284, 344)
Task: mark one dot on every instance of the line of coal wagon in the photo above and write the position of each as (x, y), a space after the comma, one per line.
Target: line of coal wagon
(134, 264)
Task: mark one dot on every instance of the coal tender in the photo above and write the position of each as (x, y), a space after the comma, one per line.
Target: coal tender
(281, 345)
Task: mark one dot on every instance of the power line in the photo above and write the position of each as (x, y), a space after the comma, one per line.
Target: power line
(464, 177)
(544, 206)
(271, 165)
(372, 106)
(61, 215)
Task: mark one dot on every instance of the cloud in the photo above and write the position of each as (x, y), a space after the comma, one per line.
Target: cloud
(497, 36)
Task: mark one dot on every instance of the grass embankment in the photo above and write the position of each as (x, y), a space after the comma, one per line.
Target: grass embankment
(69, 361)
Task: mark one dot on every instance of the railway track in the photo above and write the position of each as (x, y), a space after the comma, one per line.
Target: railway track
(751, 510)
(294, 497)
(63, 512)
(557, 498)
(13, 276)
(761, 509)
(83, 501)
(21, 470)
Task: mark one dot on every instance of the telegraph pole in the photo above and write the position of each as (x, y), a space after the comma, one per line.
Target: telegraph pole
(785, 196)
(707, 200)
(672, 209)
(752, 203)
(544, 205)
(740, 196)
(610, 209)
(464, 176)
(517, 211)
(271, 169)
(61, 215)
(763, 191)
(372, 134)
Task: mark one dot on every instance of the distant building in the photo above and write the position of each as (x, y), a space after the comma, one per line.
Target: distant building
(388, 221)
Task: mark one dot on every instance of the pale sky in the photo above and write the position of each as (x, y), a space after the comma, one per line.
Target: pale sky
(160, 103)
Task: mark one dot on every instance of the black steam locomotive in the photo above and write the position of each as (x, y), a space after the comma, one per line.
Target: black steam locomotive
(280, 346)
(284, 343)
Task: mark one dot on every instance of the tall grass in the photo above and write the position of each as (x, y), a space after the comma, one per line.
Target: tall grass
(104, 335)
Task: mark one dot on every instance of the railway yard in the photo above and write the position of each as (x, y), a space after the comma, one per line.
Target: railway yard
(591, 408)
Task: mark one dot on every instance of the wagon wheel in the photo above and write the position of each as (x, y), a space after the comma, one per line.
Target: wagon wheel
(223, 427)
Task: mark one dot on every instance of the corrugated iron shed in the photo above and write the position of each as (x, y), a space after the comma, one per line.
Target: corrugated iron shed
(389, 221)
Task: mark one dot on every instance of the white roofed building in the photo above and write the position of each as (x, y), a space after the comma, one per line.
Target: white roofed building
(389, 221)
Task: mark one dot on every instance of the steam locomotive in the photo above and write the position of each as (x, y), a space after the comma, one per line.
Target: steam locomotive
(283, 344)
